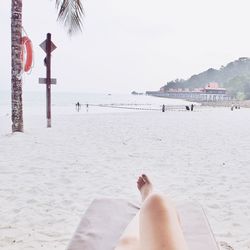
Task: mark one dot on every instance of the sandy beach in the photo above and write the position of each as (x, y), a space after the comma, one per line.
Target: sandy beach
(50, 176)
(99, 66)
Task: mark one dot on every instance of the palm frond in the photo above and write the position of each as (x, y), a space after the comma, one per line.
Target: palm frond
(70, 13)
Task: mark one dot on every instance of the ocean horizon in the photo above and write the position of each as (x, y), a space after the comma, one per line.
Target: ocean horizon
(64, 102)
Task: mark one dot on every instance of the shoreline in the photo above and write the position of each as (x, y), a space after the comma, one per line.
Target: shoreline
(242, 104)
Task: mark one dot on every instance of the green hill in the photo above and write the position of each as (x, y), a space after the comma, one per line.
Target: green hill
(235, 77)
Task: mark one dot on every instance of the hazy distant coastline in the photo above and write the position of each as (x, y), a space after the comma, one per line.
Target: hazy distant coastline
(234, 77)
(243, 103)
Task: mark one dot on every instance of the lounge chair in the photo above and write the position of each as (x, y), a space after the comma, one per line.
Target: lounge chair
(106, 219)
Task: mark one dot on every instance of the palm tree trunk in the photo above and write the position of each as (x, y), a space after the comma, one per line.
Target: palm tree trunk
(16, 66)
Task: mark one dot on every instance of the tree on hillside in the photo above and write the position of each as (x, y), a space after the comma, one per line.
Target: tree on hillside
(239, 87)
(70, 13)
(235, 77)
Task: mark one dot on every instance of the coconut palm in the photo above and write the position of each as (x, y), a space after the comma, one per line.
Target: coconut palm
(70, 13)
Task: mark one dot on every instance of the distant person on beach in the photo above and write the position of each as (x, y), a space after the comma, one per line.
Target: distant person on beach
(192, 107)
(156, 226)
(232, 107)
(187, 108)
(87, 107)
(78, 106)
(163, 108)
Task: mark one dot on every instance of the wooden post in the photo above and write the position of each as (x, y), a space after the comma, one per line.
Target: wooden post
(48, 46)
(48, 79)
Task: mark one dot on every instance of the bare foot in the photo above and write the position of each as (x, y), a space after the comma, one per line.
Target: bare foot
(145, 186)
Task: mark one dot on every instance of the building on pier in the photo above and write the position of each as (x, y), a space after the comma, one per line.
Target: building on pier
(211, 92)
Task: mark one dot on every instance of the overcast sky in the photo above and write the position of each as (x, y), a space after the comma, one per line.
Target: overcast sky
(130, 44)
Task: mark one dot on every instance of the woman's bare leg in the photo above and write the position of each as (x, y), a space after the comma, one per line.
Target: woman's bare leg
(156, 226)
(130, 238)
(159, 225)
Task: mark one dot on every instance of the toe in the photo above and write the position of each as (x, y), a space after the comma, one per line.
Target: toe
(140, 179)
(145, 178)
(140, 182)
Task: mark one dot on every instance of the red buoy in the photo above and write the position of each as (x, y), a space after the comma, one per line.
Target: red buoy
(27, 53)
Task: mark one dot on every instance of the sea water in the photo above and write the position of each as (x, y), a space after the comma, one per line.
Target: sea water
(65, 103)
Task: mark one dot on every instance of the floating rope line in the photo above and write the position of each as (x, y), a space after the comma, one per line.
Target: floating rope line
(122, 106)
(168, 108)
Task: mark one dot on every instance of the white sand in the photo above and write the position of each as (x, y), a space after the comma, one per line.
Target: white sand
(49, 176)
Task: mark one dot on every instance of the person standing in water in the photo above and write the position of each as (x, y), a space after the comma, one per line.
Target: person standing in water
(192, 107)
(78, 106)
(163, 108)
